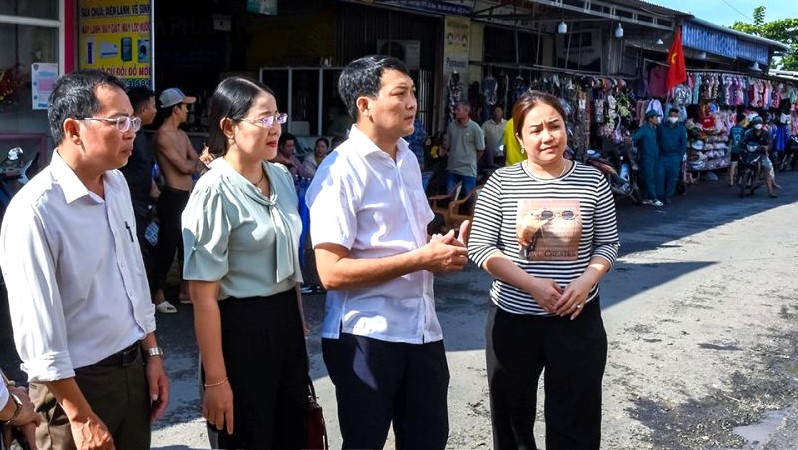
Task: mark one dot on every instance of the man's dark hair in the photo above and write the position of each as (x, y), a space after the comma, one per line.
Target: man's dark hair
(75, 97)
(139, 95)
(673, 110)
(740, 117)
(362, 78)
(232, 99)
(285, 137)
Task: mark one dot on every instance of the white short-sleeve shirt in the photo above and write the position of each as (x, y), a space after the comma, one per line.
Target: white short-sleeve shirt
(374, 206)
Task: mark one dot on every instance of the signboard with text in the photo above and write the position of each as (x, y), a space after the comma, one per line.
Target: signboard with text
(42, 76)
(456, 32)
(115, 37)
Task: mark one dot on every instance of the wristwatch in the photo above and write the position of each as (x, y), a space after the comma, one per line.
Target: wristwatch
(18, 402)
(154, 351)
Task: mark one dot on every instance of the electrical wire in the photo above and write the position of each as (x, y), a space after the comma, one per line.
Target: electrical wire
(737, 10)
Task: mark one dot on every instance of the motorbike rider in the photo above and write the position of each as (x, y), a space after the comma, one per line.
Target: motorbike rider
(756, 134)
(672, 137)
(645, 138)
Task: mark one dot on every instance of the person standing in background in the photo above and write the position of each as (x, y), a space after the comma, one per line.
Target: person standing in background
(465, 143)
(493, 129)
(138, 170)
(179, 163)
(645, 138)
(672, 138)
(512, 149)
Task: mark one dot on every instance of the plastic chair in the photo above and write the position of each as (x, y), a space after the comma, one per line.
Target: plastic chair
(440, 203)
(463, 209)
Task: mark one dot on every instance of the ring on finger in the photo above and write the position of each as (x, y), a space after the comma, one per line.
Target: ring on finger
(578, 306)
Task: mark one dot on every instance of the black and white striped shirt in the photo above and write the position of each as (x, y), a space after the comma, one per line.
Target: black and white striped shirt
(571, 218)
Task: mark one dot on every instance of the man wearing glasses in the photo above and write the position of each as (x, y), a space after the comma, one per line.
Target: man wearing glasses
(77, 291)
(178, 162)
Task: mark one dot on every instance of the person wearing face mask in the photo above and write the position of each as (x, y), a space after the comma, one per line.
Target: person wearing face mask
(672, 138)
(645, 138)
(756, 134)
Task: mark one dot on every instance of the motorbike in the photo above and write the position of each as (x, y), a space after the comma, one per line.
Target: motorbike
(623, 180)
(15, 172)
(749, 169)
(789, 160)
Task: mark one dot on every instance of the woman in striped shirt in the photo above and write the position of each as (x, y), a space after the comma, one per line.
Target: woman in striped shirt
(545, 228)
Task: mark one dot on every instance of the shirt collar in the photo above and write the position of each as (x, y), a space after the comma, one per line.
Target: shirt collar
(365, 146)
(70, 184)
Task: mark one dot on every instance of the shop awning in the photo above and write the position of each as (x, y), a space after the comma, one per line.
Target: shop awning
(722, 41)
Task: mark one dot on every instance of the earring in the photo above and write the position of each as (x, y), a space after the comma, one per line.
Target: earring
(231, 141)
(523, 151)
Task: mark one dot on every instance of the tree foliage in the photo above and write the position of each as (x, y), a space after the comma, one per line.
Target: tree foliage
(784, 31)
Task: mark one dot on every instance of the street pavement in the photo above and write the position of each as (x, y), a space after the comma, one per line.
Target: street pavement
(701, 312)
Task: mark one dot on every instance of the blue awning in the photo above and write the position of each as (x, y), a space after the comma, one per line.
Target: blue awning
(727, 42)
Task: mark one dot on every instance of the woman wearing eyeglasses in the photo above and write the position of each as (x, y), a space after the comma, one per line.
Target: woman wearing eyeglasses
(240, 231)
(545, 229)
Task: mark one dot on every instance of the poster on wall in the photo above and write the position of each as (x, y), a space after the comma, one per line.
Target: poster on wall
(115, 37)
(42, 77)
(456, 32)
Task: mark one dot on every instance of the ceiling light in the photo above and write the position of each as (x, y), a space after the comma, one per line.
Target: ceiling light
(659, 42)
(702, 55)
(755, 67)
(562, 28)
(619, 31)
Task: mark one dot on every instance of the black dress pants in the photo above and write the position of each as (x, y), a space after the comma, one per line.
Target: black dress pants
(378, 382)
(573, 353)
(264, 351)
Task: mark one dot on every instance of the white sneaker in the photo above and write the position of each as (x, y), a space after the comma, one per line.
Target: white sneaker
(657, 203)
(646, 201)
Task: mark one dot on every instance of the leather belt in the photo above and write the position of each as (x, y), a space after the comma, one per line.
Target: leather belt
(122, 358)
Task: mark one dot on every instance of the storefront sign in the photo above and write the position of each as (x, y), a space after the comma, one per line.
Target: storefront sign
(456, 32)
(431, 6)
(115, 38)
(267, 7)
(42, 76)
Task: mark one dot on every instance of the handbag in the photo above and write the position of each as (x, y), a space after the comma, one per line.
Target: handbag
(316, 438)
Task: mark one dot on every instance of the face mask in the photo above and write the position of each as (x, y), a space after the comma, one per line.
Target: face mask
(673, 119)
(758, 126)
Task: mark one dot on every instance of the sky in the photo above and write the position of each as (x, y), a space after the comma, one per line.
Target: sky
(726, 12)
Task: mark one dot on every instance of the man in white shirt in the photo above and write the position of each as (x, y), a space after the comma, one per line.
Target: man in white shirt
(381, 339)
(77, 290)
(493, 129)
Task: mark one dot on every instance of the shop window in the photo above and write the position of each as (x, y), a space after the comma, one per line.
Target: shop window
(40, 9)
(23, 45)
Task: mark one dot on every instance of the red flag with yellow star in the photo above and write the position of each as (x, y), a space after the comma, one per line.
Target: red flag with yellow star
(677, 72)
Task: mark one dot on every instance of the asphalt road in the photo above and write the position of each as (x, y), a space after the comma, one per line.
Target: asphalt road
(701, 312)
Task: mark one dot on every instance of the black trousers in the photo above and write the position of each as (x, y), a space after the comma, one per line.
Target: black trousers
(264, 351)
(573, 352)
(171, 204)
(117, 391)
(377, 382)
